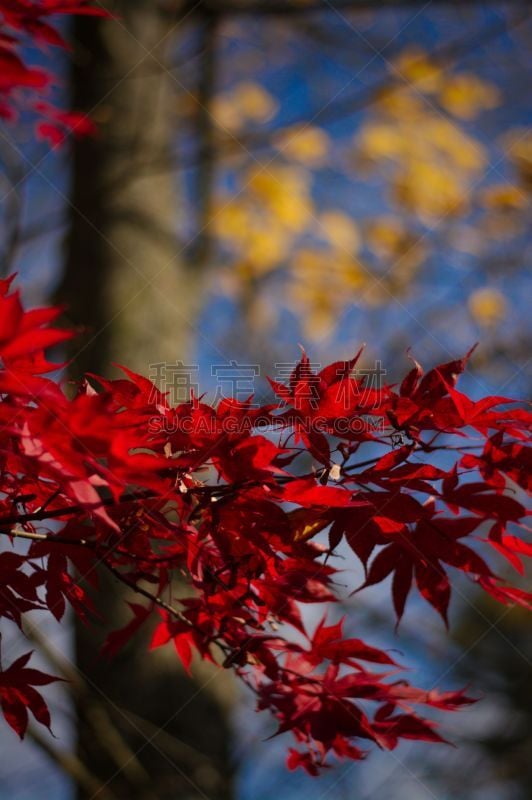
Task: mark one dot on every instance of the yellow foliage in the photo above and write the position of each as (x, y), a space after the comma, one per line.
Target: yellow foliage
(381, 139)
(487, 306)
(261, 225)
(503, 197)
(322, 282)
(415, 66)
(340, 231)
(284, 192)
(305, 143)
(385, 236)
(434, 138)
(261, 242)
(246, 102)
(431, 163)
(231, 220)
(266, 247)
(390, 240)
(225, 113)
(332, 270)
(255, 102)
(465, 95)
(430, 191)
(401, 104)
(453, 145)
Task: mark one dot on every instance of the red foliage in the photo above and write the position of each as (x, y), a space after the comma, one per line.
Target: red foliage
(25, 23)
(17, 695)
(117, 478)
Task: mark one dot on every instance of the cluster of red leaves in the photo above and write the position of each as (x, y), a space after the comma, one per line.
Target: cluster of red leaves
(24, 23)
(116, 478)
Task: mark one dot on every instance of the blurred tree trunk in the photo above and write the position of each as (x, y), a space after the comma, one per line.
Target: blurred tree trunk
(125, 281)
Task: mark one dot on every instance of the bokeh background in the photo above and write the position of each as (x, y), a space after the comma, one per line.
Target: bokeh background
(266, 174)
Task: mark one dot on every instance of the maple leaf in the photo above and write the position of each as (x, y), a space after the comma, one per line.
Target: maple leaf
(329, 643)
(180, 634)
(29, 21)
(116, 640)
(307, 492)
(96, 481)
(18, 695)
(422, 553)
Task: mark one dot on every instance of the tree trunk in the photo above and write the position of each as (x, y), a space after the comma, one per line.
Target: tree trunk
(136, 300)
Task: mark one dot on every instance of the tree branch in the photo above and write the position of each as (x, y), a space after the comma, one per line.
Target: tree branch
(73, 766)
(94, 713)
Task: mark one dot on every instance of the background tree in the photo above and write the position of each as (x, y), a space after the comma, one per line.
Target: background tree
(126, 281)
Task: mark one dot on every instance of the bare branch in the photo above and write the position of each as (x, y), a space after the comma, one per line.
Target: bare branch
(73, 766)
